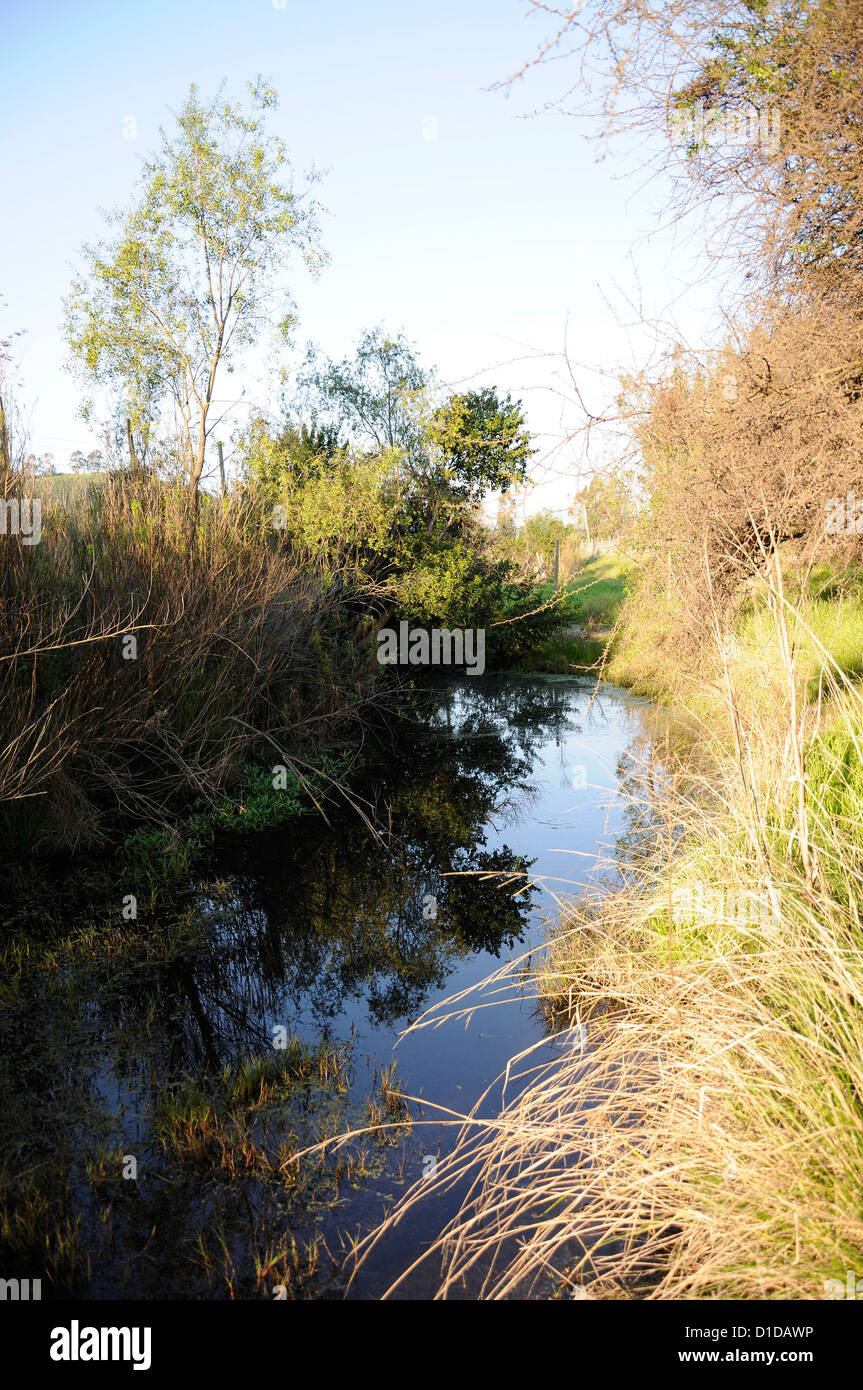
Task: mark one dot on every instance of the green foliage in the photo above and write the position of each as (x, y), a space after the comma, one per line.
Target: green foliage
(159, 854)
(523, 625)
(450, 586)
(188, 278)
(834, 774)
(308, 450)
(534, 538)
(482, 441)
(343, 513)
(561, 654)
(261, 805)
(396, 524)
(371, 394)
(469, 445)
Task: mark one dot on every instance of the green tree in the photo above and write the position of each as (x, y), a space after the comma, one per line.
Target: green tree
(483, 442)
(190, 275)
(607, 504)
(470, 444)
(371, 395)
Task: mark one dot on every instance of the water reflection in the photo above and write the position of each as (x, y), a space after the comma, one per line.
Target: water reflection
(331, 932)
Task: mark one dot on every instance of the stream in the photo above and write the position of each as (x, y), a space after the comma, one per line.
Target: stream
(137, 1080)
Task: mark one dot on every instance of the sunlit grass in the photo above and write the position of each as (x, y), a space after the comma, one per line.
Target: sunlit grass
(700, 1132)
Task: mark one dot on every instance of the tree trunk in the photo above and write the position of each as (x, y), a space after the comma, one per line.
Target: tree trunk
(364, 641)
(196, 471)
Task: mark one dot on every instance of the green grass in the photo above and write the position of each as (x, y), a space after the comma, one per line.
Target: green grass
(647, 651)
(591, 600)
(836, 622)
(594, 595)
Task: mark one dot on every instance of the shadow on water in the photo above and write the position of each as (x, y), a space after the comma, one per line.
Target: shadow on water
(159, 1077)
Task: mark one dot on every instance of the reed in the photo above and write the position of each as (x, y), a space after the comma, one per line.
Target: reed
(143, 664)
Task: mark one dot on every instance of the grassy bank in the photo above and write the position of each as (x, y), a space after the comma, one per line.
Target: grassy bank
(726, 1131)
(587, 606)
(162, 674)
(701, 1134)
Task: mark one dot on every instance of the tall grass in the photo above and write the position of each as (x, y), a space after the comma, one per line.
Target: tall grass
(142, 664)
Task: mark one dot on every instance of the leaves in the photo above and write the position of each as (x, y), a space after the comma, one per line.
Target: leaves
(189, 277)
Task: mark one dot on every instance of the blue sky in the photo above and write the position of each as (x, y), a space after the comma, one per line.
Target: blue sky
(485, 232)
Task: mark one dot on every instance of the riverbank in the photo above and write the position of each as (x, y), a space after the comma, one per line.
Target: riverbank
(710, 1099)
(156, 672)
(588, 606)
(734, 954)
(150, 669)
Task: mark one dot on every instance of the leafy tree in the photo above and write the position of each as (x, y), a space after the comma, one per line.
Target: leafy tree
(607, 503)
(472, 443)
(446, 454)
(483, 442)
(189, 277)
(391, 512)
(308, 450)
(371, 394)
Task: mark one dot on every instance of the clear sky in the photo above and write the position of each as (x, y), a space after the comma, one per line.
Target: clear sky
(484, 231)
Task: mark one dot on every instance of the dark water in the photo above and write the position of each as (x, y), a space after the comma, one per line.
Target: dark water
(499, 796)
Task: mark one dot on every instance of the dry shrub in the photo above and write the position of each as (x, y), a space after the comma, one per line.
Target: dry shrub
(745, 454)
(235, 654)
